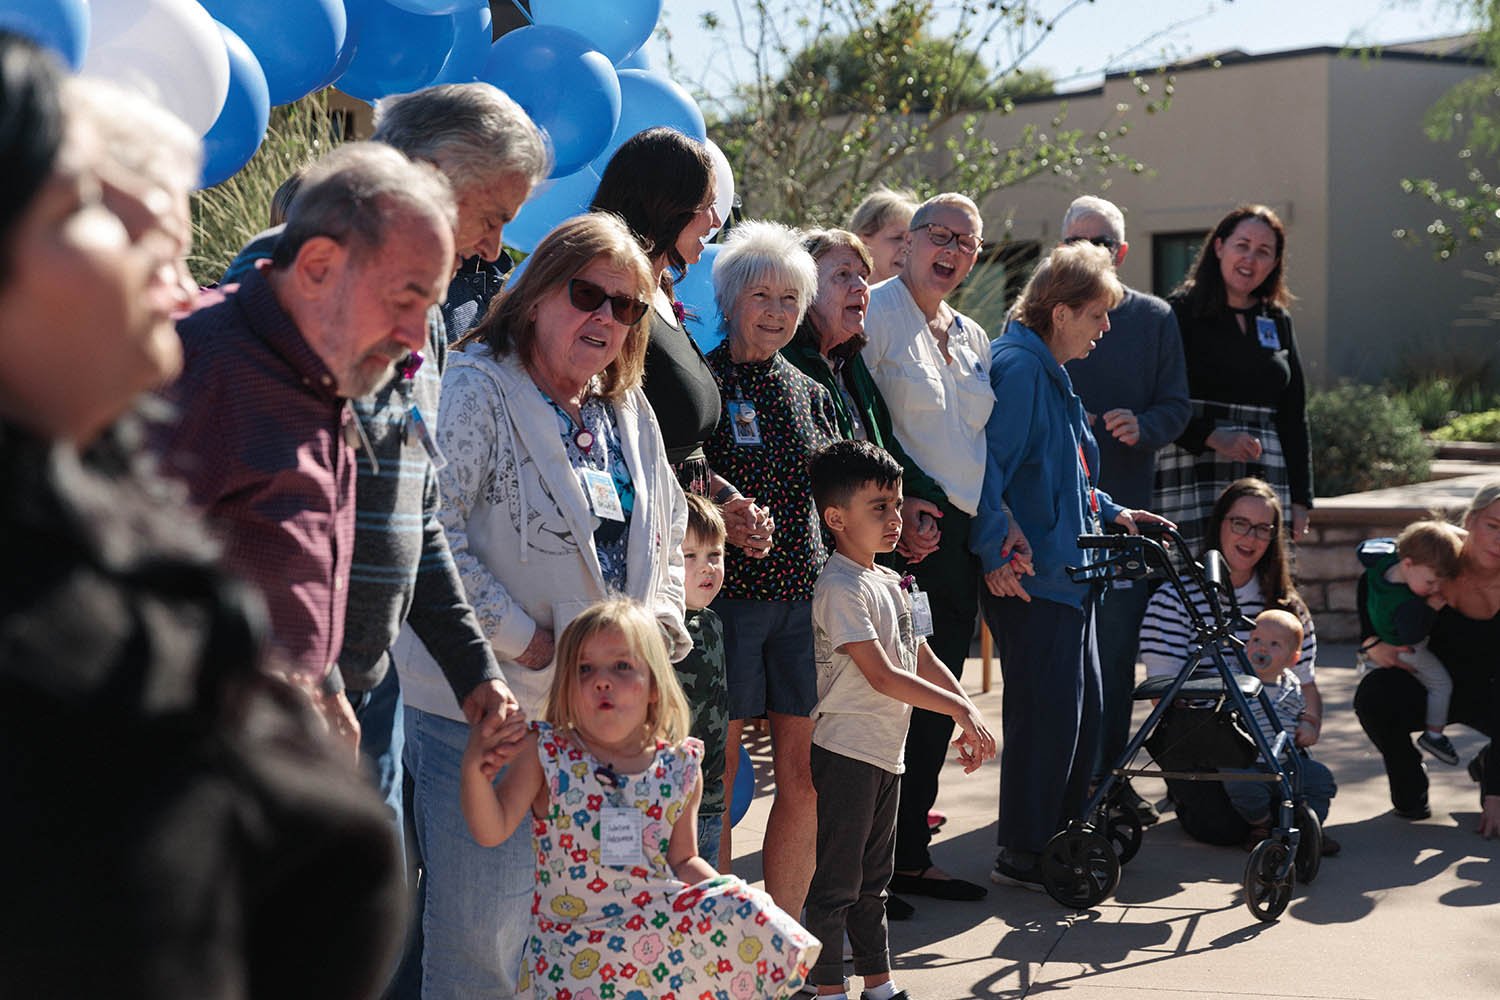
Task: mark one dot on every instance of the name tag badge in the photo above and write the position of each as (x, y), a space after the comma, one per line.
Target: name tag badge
(744, 422)
(429, 443)
(620, 837)
(603, 497)
(921, 613)
(1265, 329)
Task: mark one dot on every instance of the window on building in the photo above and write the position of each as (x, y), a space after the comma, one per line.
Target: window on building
(996, 282)
(1172, 256)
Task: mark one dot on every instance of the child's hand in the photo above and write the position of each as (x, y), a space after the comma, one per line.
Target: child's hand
(975, 743)
(1307, 733)
(494, 743)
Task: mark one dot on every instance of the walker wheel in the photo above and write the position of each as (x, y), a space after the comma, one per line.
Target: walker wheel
(1080, 868)
(1122, 828)
(1309, 845)
(1267, 893)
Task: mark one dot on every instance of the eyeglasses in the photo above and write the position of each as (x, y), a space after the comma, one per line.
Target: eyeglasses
(1107, 242)
(1240, 526)
(941, 236)
(588, 297)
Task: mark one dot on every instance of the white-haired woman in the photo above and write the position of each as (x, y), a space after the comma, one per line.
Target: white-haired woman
(774, 418)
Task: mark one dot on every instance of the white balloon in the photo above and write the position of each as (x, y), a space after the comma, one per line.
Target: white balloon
(169, 50)
(723, 185)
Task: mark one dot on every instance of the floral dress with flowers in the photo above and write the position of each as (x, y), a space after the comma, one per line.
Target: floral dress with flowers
(637, 933)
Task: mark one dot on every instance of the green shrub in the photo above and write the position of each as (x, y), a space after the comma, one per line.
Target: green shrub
(1471, 427)
(1362, 439)
(1436, 400)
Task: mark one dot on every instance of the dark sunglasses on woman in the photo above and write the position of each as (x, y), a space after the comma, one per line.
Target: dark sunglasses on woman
(587, 297)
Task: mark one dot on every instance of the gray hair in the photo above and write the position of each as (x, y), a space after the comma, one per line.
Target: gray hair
(138, 133)
(1089, 206)
(473, 132)
(759, 251)
(355, 193)
(880, 208)
(948, 199)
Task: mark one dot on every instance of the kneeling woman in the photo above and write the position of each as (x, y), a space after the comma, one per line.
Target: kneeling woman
(1038, 497)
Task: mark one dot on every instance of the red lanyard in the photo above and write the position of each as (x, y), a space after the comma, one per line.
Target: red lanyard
(1093, 497)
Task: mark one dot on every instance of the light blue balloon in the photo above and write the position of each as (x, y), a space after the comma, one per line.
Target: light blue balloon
(296, 43)
(473, 34)
(567, 87)
(59, 25)
(238, 131)
(636, 60)
(744, 788)
(648, 100)
(396, 51)
(696, 293)
(617, 29)
(441, 6)
(552, 202)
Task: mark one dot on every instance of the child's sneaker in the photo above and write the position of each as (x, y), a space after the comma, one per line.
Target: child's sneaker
(1439, 746)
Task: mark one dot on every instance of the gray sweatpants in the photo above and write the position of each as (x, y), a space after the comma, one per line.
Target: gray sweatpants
(1435, 678)
(856, 856)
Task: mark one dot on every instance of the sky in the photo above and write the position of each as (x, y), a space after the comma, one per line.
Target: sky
(1117, 34)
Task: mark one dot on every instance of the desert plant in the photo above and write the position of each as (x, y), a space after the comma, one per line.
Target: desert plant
(1484, 426)
(1363, 439)
(1436, 400)
(227, 215)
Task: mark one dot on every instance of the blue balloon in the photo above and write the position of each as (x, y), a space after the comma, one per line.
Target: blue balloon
(397, 51)
(59, 25)
(441, 6)
(744, 789)
(552, 202)
(569, 90)
(636, 60)
(473, 33)
(696, 293)
(297, 44)
(237, 132)
(617, 30)
(648, 100)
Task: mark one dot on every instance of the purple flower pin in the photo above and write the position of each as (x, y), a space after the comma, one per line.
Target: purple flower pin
(680, 311)
(411, 365)
(908, 582)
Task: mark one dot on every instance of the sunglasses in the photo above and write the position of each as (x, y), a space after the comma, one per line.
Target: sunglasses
(588, 297)
(941, 236)
(1242, 527)
(1108, 243)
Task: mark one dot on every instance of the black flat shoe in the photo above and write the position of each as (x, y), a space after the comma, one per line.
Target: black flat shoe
(897, 908)
(938, 888)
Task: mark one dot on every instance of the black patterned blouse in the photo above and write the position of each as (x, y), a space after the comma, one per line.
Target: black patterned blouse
(793, 418)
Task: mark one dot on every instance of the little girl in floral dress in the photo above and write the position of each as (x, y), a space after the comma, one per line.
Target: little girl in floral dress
(624, 906)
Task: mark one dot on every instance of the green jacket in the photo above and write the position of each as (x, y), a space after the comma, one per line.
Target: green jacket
(871, 406)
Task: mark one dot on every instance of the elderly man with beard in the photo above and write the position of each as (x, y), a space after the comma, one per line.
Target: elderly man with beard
(931, 363)
(266, 439)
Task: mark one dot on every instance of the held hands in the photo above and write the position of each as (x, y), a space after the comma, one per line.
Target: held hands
(749, 526)
(975, 743)
(1234, 446)
(493, 743)
(1124, 425)
(920, 533)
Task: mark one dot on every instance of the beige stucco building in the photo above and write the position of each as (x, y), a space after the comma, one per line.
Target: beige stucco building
(1324, 138)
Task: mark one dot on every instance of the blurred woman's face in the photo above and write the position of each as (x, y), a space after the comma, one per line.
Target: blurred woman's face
(1255, 517)
(704, 221)
(1482, 547)
(1246, 259)
(888, 248)
(838, 313)
(86, 301)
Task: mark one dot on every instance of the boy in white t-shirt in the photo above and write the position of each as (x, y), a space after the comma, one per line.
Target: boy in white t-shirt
(873, 665)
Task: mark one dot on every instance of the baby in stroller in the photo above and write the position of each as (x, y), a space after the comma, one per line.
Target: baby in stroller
(1272, 649)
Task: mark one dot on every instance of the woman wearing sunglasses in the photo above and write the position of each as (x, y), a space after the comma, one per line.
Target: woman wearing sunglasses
(557, 492)
(1247, 525)
(931, 363)
(774, 418)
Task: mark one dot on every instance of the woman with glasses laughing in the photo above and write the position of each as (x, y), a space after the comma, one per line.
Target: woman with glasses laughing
(1246, 525)
(555, 488)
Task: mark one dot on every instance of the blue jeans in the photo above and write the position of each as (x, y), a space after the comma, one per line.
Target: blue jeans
(381, 739)
(477, 914)
(1256, 801)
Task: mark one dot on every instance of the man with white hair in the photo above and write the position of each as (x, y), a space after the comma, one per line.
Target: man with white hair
(1134, 387)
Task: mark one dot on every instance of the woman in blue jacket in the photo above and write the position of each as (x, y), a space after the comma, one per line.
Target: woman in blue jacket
(1038, 497)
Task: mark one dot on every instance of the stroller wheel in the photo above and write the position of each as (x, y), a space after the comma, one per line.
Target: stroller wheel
(1267, 890)
(1122, 828)
(1310, 845)
(1080, 868)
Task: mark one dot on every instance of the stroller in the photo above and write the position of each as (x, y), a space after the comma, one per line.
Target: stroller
(1201, 722)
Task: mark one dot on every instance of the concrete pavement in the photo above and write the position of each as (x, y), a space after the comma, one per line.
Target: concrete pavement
(1409, 910)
